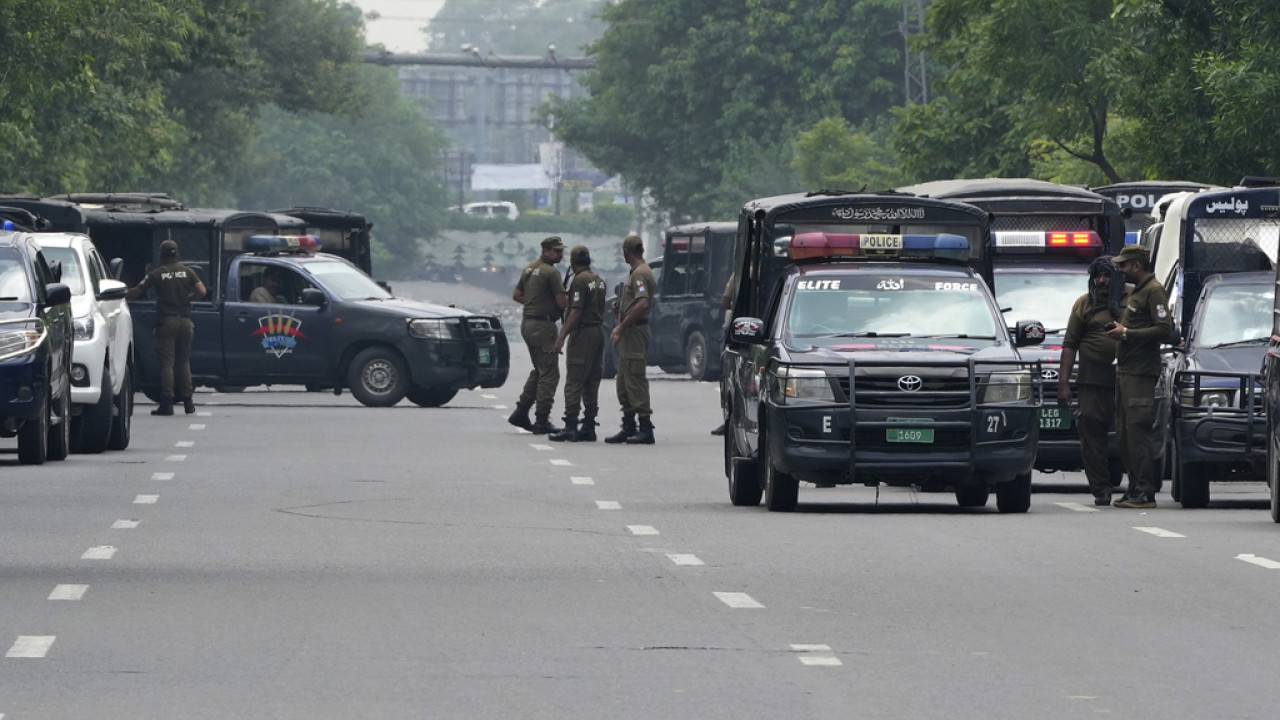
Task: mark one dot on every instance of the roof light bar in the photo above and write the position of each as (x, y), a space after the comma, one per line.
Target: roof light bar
(1039, 241)
(297, 244)
(870, 246)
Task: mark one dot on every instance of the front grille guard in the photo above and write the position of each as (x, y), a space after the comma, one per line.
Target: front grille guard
(1246, 414)
(10, 339)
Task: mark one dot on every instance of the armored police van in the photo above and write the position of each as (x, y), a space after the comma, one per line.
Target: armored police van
(866, 348)
(1138, 200)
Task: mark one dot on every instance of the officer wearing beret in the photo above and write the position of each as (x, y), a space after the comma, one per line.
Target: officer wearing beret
(631, 335)
(176, 285)
(541, 291)
(584, 360)
(1145, 324)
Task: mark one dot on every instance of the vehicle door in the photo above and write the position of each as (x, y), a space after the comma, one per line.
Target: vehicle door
(280, 340)
(119, 327)
(666, 345)
(58, 320)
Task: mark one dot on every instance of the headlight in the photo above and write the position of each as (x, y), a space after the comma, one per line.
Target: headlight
(804, 384)
(1208, 398)
(433, 329)
(83, 327)
(1007, 387)
(19, 342)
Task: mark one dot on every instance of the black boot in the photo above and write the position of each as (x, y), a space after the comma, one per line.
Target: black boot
(569, 433)
(542, 425)
(165, 407)
(628, 429)
(520, 418)
(587, 430)
(189, 405)
(644, 436)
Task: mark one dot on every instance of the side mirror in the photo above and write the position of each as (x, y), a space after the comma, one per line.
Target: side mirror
(116, 266)
(1028, 332)
(747, 330)
(314, 297)
(57, 293)
(112, 290)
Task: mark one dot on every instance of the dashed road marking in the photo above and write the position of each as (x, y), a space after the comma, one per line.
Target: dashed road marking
(68, 592)
(684, 559)
(175, 458)
(1076, 507)
(738, 600)
(560, 461)
(608, 505)
(539, 446)
(818, 655)
(582, 481)
(1259, 561)
(1159, 532)
(204, 413)
(124, 524)
(500, 407)
(488, 396)
(196, 426)
(642, 529)
(31, 646)
(162, 476)
(146, 500)
(184, 444)
(101, 552)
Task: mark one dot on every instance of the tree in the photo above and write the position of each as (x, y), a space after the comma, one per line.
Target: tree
(833, 155)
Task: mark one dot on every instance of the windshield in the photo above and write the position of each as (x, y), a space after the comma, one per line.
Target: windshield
(827, 310)
(1041, 295)
(14, 284)
(72, 273)
(346, 281)
(1235, 314)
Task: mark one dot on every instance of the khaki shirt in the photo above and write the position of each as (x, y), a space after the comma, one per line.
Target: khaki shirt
(587, 292)
(173, 283)
(1095, 352)
(541, 283)
(1148, 320)
(639, 284)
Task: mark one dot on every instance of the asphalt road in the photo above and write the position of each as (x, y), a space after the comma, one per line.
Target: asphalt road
(284, 554)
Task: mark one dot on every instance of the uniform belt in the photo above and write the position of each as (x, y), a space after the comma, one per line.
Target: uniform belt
(543, 318)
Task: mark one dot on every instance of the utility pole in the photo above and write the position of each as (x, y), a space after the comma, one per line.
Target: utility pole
(916, 79)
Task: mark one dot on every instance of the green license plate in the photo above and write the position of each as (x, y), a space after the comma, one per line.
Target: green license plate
(1055, 418)
(484, 356)
(908, 435)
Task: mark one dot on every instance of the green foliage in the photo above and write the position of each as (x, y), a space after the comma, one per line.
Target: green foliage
(833, 155)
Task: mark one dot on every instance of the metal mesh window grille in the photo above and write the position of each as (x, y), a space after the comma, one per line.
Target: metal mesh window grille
(1234, 245)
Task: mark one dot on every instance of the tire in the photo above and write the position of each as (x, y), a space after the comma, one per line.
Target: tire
(695, 355)
(973, 496)
(431, 397)
(33, 437)
(91, 432)
(744, 483)
(1191, 483)
(122, 418)
(60, 432)
(781, 491)
(1273, 473)
(1014, 496)
(377, 377)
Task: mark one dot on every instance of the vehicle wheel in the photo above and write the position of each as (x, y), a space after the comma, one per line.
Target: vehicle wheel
(60, 432)
(1191, 483)
(431, 397)
(610, 369)
(1115, 468)
(1273, 473)
(377, 377)
(974, 495)
(92, 430)
(695, 355)
(781, 491)
(1014, 496)
(122, 420)
(33, 437)
(744, 483)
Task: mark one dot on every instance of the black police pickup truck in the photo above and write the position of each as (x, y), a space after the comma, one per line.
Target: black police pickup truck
(865, 348)
(35, 350)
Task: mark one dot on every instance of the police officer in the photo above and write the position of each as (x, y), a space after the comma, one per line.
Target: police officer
(631, 335)
(176, 285)
(584, 361)
(1144, 325)
(1086, 339)
(541, 291)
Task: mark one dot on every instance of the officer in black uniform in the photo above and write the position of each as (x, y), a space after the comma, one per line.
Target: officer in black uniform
(176, 285)
(584, 360)
(541, 292)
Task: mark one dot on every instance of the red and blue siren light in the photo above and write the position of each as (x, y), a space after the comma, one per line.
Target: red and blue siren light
(1041, 241)
(299, 244)
(869, 246)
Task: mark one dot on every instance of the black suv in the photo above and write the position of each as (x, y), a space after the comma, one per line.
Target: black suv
(35, 350)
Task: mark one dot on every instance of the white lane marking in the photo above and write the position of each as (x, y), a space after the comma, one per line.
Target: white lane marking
(684, 559)
(1159, 532)
(810, 647)
(816, 654)
(31, 646)
(184, 444)
(823, 660)
(146, 500)
(1259, 561)
(738, 600)
(196, 426)
(204, 413)
(68, 592)
(499, 407)
(642, 529)
(582, 481)
(488, 396)
(539, 446)
(175, 458)
(124, 524)
(1076, 506)
(162, 476)
(560, 461)
(608, 505)
(101, 552)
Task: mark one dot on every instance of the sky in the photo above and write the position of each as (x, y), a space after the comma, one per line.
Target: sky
(400, 27)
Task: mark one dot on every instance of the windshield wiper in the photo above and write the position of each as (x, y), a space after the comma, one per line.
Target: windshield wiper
(869, 334)
(962, 336)
(1234, 343)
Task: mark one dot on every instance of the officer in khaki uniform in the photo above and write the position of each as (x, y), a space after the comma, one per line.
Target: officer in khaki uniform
(1145, 324)
(1086, 339)
(176, 285)
(541, 291)
(584, 360)
(631, 335)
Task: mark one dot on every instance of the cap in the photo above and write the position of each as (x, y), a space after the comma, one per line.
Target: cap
(1132, 252)
(633, 243)
(168, 248)
(580, 255)
(553, 243)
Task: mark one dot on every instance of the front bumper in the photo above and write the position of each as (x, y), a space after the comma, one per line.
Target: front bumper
(24, 381)
(1232, 437)
(481, 357)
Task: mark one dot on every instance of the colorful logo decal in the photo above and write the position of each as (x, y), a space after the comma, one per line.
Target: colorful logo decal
(280, 333)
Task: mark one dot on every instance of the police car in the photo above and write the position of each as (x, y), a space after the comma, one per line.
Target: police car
(881, 358)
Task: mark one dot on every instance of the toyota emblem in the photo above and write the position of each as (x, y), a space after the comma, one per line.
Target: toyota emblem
(1049, 375)
(910, 383)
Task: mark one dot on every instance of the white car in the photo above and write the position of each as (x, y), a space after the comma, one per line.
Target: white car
(102, 357)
